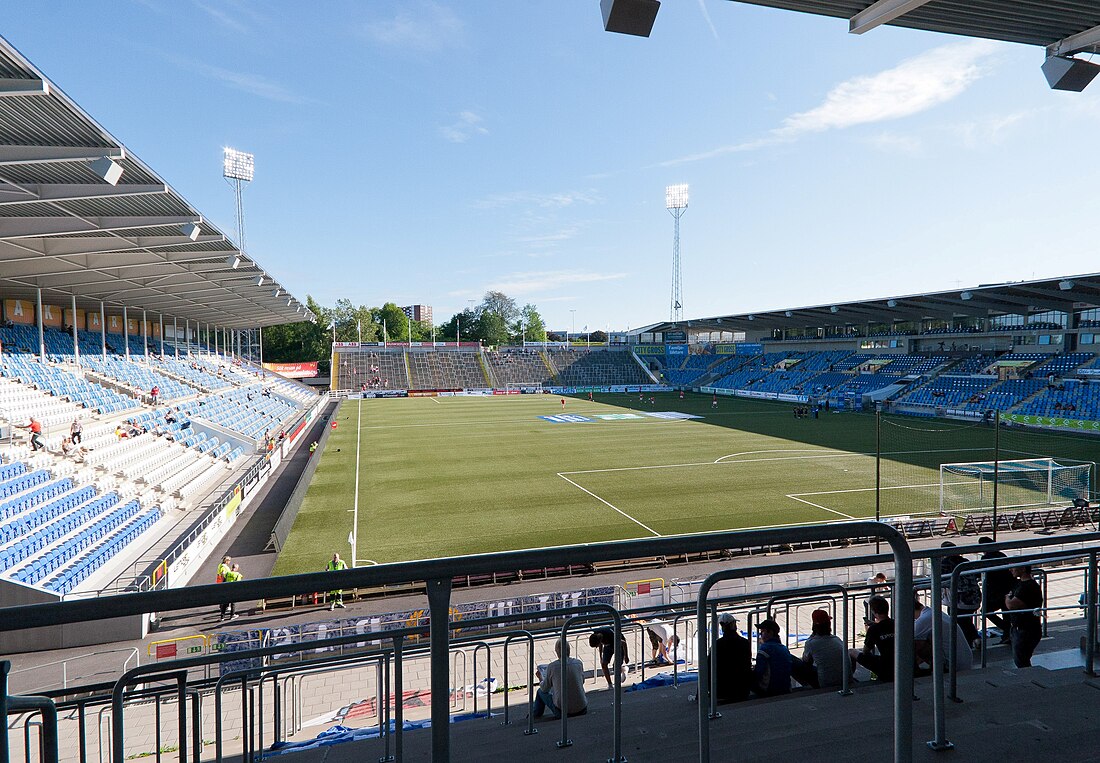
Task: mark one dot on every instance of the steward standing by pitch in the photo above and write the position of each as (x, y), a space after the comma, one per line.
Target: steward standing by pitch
(336, 598)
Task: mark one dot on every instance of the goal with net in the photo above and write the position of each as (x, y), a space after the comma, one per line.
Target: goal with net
(1020, 483)
(533, 386)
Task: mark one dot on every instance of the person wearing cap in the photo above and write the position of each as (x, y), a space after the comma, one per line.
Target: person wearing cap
(877, 654)
(772, 674)
(733, 662)
(822, 663)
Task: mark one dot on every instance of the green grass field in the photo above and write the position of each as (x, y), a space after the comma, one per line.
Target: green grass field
(460, 475)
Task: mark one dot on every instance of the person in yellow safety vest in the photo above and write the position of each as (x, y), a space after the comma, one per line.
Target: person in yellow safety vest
(312, 447)
(223, 570)
(336, 598)
(234, 576)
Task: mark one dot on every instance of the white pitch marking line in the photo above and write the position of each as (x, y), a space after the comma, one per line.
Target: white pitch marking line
(605, 503)
(866, 489)
(845, 453)
(823, 508)
(435, 400)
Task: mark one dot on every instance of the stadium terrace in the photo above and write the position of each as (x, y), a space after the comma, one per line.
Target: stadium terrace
(750, 536)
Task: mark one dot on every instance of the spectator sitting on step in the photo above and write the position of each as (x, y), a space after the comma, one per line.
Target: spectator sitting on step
(549, 695)
(733, 662)
(822, 663)
(922, 639)
(772, 673)
(72, 450)
(877, 654)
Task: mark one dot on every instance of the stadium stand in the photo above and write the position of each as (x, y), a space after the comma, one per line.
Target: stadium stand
(446, 370)
(519, 366)
(385, 369)
(593, 367)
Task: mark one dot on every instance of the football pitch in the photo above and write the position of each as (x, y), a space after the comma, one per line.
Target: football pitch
(446, 476)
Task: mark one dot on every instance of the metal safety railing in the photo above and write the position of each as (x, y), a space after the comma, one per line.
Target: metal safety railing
(695, 619)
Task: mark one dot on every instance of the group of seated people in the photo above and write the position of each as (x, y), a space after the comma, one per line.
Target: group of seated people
(776, 671)
(1068, 407)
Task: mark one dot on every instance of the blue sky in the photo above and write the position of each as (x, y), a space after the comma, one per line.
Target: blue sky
(420, 151)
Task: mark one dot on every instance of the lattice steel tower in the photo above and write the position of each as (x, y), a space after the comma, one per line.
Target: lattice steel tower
(676, 202)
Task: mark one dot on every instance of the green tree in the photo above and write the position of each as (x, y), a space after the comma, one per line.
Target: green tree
(530, 325)
(466, 321)
(598, 336)
(500, 303)
(394, 320)
(300, 342)
(492, 328)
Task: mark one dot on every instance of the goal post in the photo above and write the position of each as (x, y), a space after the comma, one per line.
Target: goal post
(1020, 483)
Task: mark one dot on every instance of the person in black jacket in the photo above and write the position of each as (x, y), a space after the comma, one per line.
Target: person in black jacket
(733, 662)
(998, 584)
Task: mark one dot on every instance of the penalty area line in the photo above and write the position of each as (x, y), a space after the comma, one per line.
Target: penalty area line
(611, 506)
(819, 506)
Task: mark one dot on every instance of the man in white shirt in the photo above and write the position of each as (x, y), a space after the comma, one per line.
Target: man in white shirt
(661, 640)
(922, 637)
(549, 695)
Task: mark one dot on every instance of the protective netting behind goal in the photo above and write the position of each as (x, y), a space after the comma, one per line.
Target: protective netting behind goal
(1041, 466)
(1037, 482)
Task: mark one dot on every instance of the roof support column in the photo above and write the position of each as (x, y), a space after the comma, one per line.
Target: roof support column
(145, 334)
(103, 329)
(176, 336)
(76, 336)
(126, 332)
(215, 340)
(187, 334)
(260, 335)
(160, 333)
(41, 331)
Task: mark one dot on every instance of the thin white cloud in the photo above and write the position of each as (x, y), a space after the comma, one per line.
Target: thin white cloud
(555, 200)
(467, 125)
(913, 86)
(254, 84)
(894, 143)
(427, 28)
(223, 18)
(987, 130)
(706, 15)
(545, 280)
(545, 239)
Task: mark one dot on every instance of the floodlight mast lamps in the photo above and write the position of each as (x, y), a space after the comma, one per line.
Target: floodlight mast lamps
(238, 167)
(676, 202)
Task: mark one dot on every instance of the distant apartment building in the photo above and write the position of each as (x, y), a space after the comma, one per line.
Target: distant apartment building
(418, 312)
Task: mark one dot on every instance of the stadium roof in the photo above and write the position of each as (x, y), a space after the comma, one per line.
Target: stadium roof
(1017, 298)
(67, 229)
(1066, 26)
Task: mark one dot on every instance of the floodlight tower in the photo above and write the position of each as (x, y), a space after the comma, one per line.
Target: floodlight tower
(237, 168)
(676, 202)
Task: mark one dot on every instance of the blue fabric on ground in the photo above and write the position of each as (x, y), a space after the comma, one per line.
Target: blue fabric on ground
(663, 679)
(340, 734)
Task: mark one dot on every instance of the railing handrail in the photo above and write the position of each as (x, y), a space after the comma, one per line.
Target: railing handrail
(445, 568)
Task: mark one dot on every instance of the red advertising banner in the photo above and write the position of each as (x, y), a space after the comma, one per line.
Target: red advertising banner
(294, 370)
